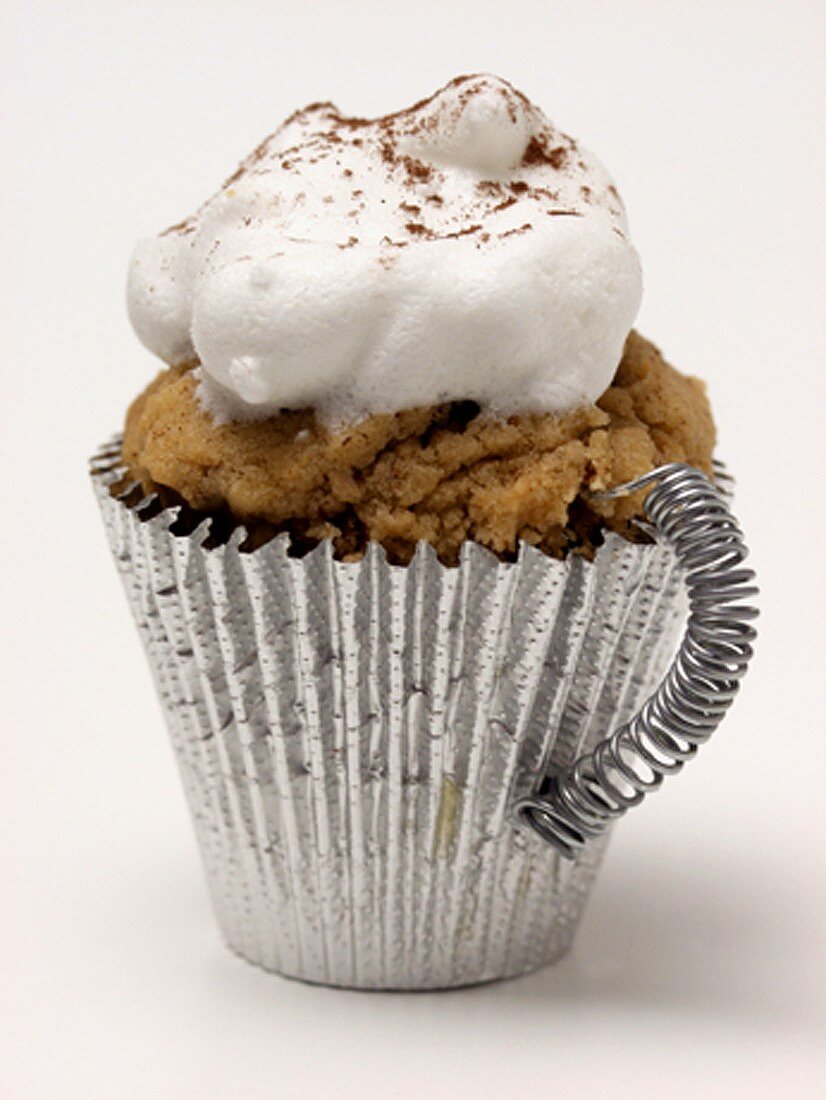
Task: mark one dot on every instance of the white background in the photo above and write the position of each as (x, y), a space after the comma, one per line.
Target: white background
(699, 969)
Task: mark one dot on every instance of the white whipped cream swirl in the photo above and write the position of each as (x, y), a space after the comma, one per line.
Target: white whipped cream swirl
(463, 249)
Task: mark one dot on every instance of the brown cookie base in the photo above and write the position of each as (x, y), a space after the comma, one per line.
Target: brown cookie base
(443, 474)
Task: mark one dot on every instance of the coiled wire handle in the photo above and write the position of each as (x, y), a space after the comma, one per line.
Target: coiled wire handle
(687, 511)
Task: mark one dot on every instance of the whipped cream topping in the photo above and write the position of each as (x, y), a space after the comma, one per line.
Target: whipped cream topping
(462, 249)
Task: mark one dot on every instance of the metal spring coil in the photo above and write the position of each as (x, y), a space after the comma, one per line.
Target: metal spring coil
(688, 512)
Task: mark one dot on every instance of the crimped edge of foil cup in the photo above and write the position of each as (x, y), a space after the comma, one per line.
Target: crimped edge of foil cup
(383, 855)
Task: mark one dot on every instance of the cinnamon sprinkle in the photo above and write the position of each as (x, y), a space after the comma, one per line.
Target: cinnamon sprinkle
(537, 153)
(512, 232)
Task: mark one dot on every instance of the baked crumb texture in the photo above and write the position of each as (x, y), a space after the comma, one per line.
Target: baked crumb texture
(443, 474)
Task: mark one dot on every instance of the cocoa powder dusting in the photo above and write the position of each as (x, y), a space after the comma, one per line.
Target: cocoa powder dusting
(181, 228)
(538, 153)
(417, 170)
(513, 232)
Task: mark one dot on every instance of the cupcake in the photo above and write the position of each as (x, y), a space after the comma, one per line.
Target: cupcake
(406, 523)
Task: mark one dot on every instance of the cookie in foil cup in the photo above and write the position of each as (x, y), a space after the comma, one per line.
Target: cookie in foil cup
(410, 698)
(352, 737)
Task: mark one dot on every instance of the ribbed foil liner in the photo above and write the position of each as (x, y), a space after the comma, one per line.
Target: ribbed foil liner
(351, 736)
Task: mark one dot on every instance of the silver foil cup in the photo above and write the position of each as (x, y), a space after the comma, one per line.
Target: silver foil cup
(352, 737)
